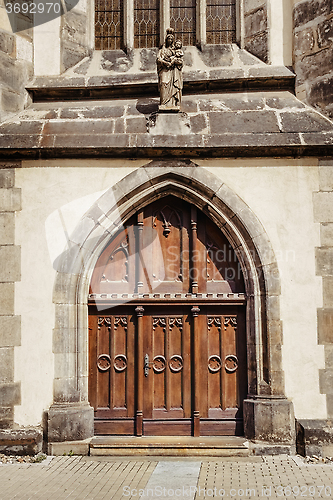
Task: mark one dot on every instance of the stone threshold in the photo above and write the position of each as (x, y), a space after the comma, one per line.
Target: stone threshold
(217, 446)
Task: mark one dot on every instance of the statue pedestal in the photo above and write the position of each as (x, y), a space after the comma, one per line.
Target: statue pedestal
(167, 109)
(170, 123)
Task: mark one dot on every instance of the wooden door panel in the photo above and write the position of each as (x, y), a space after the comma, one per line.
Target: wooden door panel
(111, 366)
(175, 250)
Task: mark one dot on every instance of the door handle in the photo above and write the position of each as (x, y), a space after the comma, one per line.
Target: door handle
(146, 365)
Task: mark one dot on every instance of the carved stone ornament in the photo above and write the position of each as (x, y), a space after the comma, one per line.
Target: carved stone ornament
(214, 363)
(120, 363)
(231, 363)
(170, 61)
(103, 362)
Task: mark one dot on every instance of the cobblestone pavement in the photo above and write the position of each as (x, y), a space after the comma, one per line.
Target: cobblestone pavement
(104, 478)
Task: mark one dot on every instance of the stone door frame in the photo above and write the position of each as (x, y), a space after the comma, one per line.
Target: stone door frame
(70, 416)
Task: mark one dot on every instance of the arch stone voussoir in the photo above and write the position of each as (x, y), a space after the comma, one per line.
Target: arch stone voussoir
(248, 237)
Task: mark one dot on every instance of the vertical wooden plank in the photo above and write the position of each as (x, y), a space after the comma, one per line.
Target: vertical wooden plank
(195, 256)
(104, 376)
(92, 381)
(187, 354)
(140, 374)
(139, 257)
(196, 338)
(130, 353)
(230, 377)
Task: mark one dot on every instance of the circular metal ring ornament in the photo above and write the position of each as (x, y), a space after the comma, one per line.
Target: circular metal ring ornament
(103, 362)
(159, 364)
(231, 363)
(176, 363)
(120, 363)
(214, 363)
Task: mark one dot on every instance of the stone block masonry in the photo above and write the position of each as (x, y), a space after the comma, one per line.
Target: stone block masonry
(10, 325)
(313, 53)
(16, 66)
(315, 436)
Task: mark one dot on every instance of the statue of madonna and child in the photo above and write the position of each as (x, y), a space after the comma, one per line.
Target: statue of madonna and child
(169, 68)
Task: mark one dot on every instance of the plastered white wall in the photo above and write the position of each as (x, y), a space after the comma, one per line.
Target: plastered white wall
(280, 194)
(45, 191)
(278, 191)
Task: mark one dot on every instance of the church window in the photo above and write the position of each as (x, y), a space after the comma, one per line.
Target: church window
(146, 23)
(121, 24)
(221, 21)
(108, 24)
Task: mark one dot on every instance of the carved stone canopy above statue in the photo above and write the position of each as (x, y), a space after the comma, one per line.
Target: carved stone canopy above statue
(170, 61)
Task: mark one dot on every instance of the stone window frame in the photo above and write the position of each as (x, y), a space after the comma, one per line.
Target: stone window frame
(128, 25)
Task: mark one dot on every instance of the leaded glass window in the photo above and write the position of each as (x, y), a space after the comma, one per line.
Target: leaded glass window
(182, 20)
(221, 21)
(108, 24)
(146, 23)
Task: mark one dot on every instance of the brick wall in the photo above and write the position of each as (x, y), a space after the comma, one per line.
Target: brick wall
(313, 53)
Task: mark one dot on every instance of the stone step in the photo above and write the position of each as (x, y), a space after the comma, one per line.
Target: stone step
(212, 446)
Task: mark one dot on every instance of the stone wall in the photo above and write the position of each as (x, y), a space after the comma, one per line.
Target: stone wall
(16, 63)
(10, 272)
(313, 53)
(74, 38)
(256, 28)
(323, 212)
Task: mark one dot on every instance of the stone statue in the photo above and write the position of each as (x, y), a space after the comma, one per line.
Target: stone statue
(169, 68)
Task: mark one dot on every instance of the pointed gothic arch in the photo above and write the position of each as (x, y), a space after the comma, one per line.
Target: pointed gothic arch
(70, 416)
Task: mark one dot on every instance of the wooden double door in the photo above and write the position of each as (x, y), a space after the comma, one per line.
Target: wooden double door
(167, 346)
(169, 370)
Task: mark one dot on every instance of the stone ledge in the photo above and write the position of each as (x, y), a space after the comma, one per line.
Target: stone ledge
(21, 441)
(107, 87)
